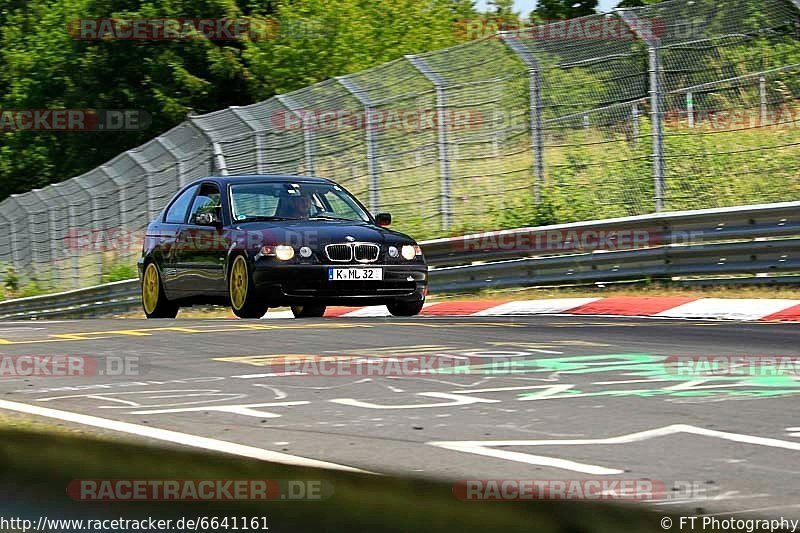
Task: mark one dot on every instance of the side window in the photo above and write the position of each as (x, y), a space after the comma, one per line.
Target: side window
(207, 201)
(176, 213)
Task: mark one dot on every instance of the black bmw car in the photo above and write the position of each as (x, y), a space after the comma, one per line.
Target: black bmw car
(255, 242)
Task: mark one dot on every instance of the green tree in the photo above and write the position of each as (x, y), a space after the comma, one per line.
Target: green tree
(636, 3)
(503, 8)
(44, 67)
(562, 9)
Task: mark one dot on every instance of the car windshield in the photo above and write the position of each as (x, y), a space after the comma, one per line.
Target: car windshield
(293, 201)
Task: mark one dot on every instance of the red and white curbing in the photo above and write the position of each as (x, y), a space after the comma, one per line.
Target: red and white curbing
(769, 310)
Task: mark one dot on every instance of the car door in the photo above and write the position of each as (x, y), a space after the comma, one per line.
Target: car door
(201, 248)
(165, 232)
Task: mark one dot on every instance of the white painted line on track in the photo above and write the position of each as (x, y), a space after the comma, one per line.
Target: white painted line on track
(177, 437)
(527, 458)
(488, 447)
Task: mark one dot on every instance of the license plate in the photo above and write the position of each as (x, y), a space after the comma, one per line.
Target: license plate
(355, 274)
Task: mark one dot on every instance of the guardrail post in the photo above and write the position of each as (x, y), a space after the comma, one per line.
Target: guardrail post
(536, 106)
(372, 144)
(308, 130)
(656, 96)
(444, 144)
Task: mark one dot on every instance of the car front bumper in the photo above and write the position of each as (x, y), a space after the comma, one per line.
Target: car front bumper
(296, 284)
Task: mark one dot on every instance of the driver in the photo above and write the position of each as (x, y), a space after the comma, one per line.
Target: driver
(299, 206)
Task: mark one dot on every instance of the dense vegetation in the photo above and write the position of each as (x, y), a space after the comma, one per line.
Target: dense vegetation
(45, 68)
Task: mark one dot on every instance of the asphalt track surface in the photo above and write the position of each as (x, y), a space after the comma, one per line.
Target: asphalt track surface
(588, 397)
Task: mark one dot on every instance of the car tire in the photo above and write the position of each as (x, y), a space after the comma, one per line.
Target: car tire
(308, 311)
(154, 301)
(405, 308)
(242, 292)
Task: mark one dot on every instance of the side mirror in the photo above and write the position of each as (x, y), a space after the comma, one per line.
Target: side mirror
(206, 219)
(383, 219)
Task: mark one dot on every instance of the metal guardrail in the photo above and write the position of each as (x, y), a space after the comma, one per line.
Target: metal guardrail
(757, 240)
(119, 296)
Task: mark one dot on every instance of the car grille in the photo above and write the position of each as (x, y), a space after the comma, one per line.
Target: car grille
(363, 252)
(341, 253)
(366, 253)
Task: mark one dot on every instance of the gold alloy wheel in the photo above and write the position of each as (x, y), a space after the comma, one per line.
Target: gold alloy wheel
(150, 288)
(238, 282)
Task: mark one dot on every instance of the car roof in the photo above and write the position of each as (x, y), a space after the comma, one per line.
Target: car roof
(254, 178)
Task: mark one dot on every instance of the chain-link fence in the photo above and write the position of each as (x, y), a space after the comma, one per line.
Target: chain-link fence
(683, 104)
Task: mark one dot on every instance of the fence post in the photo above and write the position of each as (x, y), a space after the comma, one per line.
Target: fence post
(443, 141)
(16, 259)
(169, 147)
(218, 163)
(308, 131)
(144, 165)
(13, 241)
(219, 159)
(535, 89)
(246, 118)
(76, 253)
(635, 119)
(690, 108)
(95, 225)
(762, 93)
(658, 133)
(51, 233)
(656, 96)
(372, 145)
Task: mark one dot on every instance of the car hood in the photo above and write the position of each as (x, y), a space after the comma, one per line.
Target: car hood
(318, 232)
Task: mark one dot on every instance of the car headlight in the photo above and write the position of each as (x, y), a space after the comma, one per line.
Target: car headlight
(393, 251)
(409, 252)
(284, 252)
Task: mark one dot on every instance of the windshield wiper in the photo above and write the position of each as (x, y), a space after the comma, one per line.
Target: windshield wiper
(331, 217)
(264, 218)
